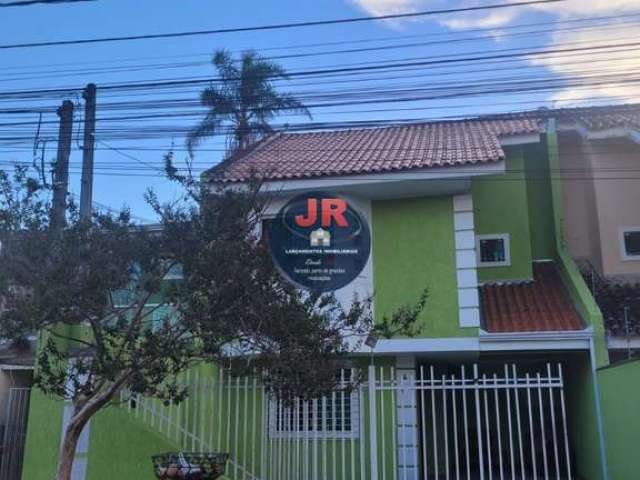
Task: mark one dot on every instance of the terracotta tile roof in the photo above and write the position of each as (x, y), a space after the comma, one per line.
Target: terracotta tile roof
(539, 305)
(374, 150)
(601, 118)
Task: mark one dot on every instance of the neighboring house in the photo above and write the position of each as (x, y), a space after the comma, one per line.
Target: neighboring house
(16, 377)
(502, 380)
(600, 171)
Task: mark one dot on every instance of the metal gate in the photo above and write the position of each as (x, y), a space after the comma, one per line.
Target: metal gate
(15, 433)
(506, 424)
(442, 422)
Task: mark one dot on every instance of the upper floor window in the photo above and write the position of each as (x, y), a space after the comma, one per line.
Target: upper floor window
(492, 250)
(630, 243)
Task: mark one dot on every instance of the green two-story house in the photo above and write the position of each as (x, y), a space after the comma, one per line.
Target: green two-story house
(500, 382)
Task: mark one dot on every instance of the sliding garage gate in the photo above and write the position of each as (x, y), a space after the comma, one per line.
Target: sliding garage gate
(504, 424)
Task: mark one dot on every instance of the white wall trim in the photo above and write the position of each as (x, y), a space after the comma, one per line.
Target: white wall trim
(518, 341)
(506, 141)
(622, 343)
(466, 261)
(432, 173)
(423, 345)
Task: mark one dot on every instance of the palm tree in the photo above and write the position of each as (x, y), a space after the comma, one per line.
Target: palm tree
(243, 101)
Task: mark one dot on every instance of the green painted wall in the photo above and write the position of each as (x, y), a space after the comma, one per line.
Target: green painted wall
(43, 437)
(121, 447)
(500, 205)
(620, 387)
(540, 202)
(413, 248)
(581, 412)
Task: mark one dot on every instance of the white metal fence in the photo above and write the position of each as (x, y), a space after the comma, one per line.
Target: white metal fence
(14, 433)
(430, 423)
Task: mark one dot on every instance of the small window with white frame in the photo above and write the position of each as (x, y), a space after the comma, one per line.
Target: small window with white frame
(332, 416)
(492, 250)
(630, 243)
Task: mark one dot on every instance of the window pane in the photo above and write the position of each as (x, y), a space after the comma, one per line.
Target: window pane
(632, 243)
(492, 250)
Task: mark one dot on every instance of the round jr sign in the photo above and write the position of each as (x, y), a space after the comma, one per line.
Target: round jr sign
(319, 241)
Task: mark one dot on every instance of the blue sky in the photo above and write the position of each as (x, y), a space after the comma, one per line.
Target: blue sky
(73, 66)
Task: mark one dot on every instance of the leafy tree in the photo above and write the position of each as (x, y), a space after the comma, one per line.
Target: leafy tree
(242, 101)
(109, 320)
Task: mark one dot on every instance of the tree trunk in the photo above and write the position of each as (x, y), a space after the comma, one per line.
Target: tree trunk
(69, 443)
(82, 413)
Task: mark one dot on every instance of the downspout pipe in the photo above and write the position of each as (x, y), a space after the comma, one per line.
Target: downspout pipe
(596, 397)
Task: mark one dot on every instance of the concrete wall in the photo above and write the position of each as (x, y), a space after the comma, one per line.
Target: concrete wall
(601, 192)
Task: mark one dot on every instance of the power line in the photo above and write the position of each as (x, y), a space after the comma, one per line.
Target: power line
(274, 26)
(26, 3)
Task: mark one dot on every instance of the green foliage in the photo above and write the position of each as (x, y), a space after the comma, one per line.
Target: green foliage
(231, 305)
(244, 101)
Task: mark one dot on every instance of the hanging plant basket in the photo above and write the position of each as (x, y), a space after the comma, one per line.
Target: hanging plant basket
(189, 466)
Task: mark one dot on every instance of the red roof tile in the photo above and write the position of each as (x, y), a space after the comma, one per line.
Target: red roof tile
(539, 305)
(374, 150)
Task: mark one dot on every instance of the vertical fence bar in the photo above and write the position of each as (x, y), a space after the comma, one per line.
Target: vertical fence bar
(433, 422)
(334, 429)
(266, 435)
(446, 426)
(244, 428)
(382, 425)
(509, 422)
(553, 423)
(564, 423)
(298, 433)
(362, 437)
(236, 428)
(316, 422)
(466, 423)
(352, 450)
(518, 419)
(325, 424)
(497, 404)
(533, 445)
(254, 437)
(193, 428)
(544, 437)
(221, 384)
(394, 423)
(478, 422)
(212, 393)
(228, 416)
(455, 426)
(279, 429)
(203, 413)
(343, 425)
(373, 443)
(423, 429)
(487, 425)
(307, 431)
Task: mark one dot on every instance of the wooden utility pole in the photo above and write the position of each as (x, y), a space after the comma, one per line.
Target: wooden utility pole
(86, 183)
(61, 169)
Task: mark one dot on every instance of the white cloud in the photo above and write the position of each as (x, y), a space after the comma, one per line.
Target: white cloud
(583, 71)
(578, 70)
(389, 7)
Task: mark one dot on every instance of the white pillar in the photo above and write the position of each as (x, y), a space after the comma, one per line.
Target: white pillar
(407, 420)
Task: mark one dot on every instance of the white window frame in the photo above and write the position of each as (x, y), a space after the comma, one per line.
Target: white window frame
(623, 249)
(507, 249)
(354, 414)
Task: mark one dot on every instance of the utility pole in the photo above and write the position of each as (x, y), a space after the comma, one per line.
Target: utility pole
(86, 183)
(61, 169)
